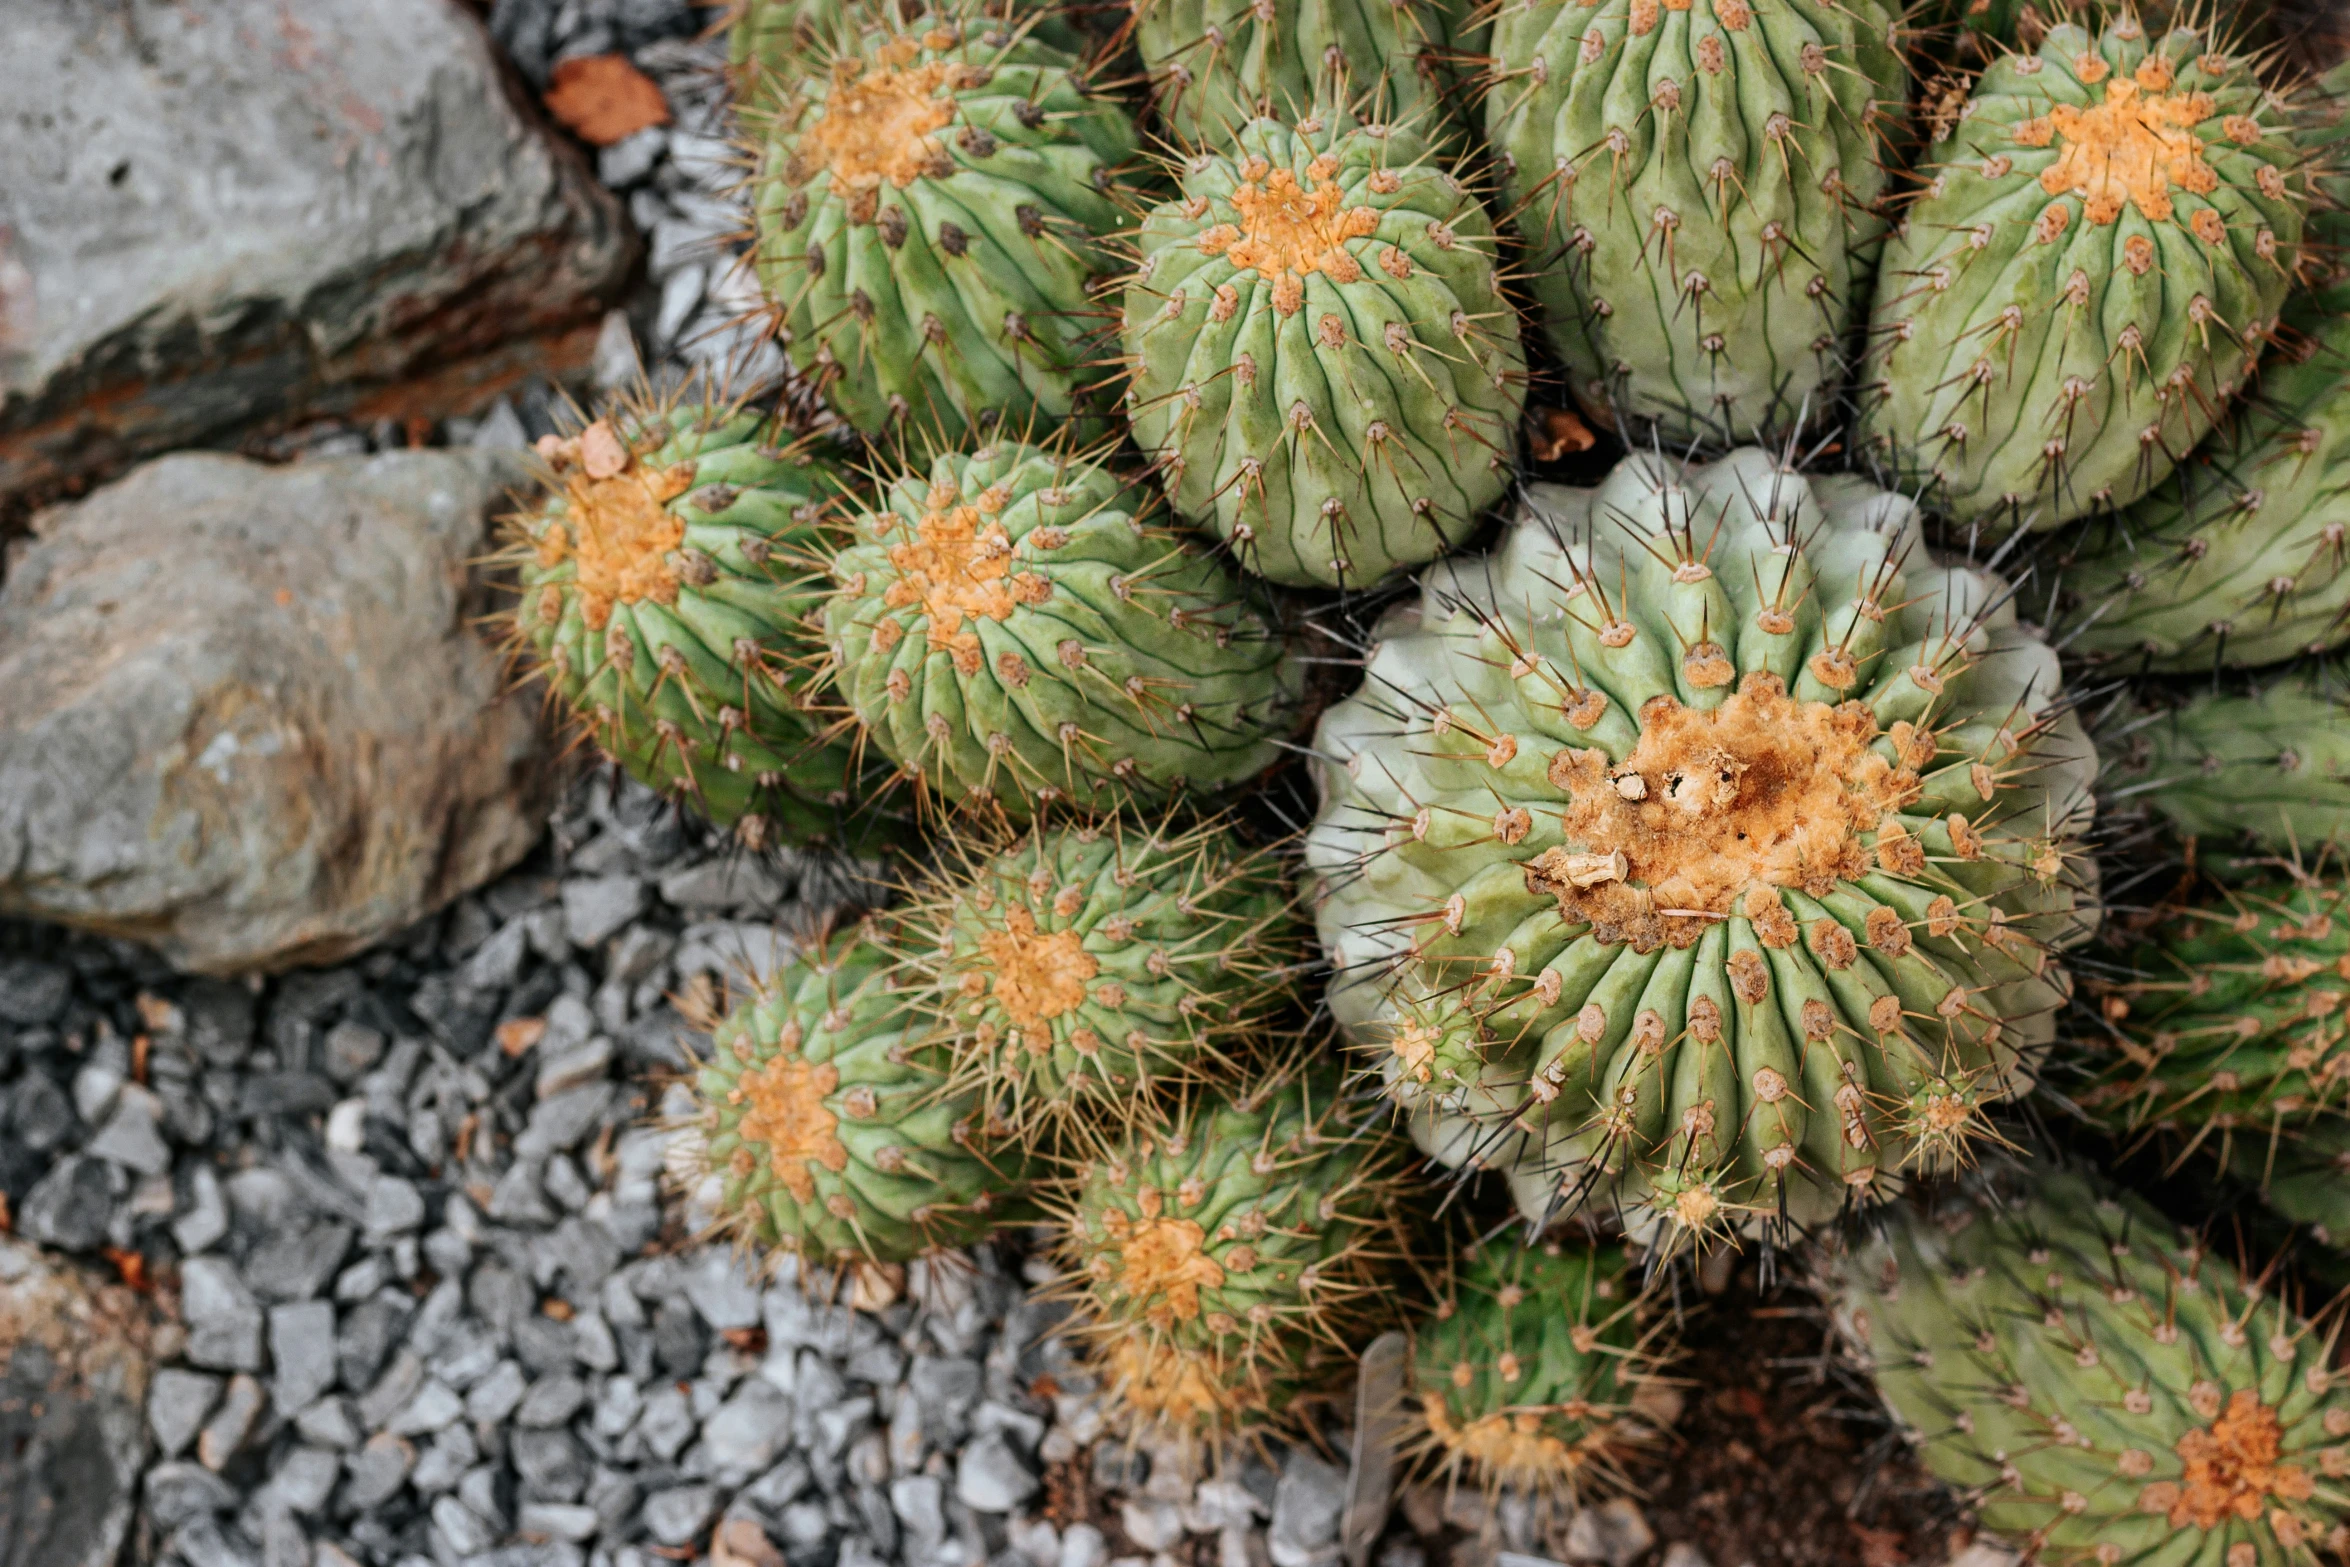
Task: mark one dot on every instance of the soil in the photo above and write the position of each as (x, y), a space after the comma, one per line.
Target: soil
(1783, 1456)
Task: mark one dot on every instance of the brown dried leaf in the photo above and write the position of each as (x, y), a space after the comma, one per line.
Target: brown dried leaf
(1562, 434)
(603, 98)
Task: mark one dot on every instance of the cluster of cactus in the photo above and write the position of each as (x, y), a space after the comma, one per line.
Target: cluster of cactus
(1713, 857)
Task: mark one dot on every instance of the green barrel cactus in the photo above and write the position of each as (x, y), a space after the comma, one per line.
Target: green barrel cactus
(1221, 1262)
(1323, 361)
(2100, 1390)
(2109, 231)
(2269, 768)
(827, 1113)
(2231, 1025)
(1705, 850)
(1081, 967)
(1013, 630)
(930, 209)
(2304, 1179)
(770, 43)
(1528, 1371)
(1698, 187)
(1215, 65)
(671, 596)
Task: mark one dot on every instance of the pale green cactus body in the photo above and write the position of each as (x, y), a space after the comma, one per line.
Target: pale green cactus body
(1221, 1261)
(827, 1114)
(931, 208)
(1324, 363)
(1215, 65)
(1704, 849)
(2110, 230)
(1081, 968)
(2269, 768)
(2100, 1390)
(1011, 629)
(668, 594)
(1529, 1372)
(1697, 186)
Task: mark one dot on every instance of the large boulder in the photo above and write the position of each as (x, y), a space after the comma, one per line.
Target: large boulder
(248, 717)
(219, 212)
(73, 1426)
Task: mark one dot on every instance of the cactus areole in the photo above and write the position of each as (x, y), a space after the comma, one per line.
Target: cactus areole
(1705, 849)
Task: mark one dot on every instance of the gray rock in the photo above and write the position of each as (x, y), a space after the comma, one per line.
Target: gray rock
(32, 992)
(721, 1286)
(301, 1353)
(366, 1336)
(376, 207)
(584, 1063)
(920, 1504)
(551, 1401)
(329, 1423)
(130, 1136)
(206, 1220)
(1082, 1545)
(39, 1113)
(303, 1480)
(224, 1320)
(677, 1516)
(495, 1396)
(202, 1542)
(560, 1123)
(154, 793)
(444, 1464)
(748, 1432)
(69, 1207)
(1306, 1507)
(434, 1407)
(990, 1477)
(559, 1520)
(225, 1434)
(178, 1492)
(667, 1422)
(392, 1390)
(376, 1472)
(1615, 1532)
(73, 1397)
(295, 1262)
(553, 1467)
(1152, 1525)
(679, 1339)
(595, 907)
(459, 1528)
(177, 1402)
(1682, 1554)
(352, 1049)
(730, 882)
(394, 1206)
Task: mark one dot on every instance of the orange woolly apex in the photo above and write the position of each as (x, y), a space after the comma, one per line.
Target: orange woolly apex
(614, 525)
(958, 565)
(1287, 230)
(880, 118)
(2133, 148)
(788, 1116)
(2230, 1469)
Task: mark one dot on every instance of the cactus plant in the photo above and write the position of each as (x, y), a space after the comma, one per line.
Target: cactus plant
(930, 210)
(826, 1111)
(1528, 1370)
(1221, 1260)
(668, 587)
(1697, 186)
(1215, 65)
(1081, 967)
(2109, 230)
(1713, 838)
(1013, 629)
(1323, 360)
(2101, 1390)
(2269, 768)
(2231, 1021)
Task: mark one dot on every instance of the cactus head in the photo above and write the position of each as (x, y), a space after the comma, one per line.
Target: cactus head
(1014, 629)
(828, 1114)
(1222, 1261)
(2267, 769)
(1746, 831)
(1080, 968)
(2232, 1025)
(2102, 1391)
(931, 204)
(1527, 1371)
(2110, 228)
(670, 595)
(1323, 360)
